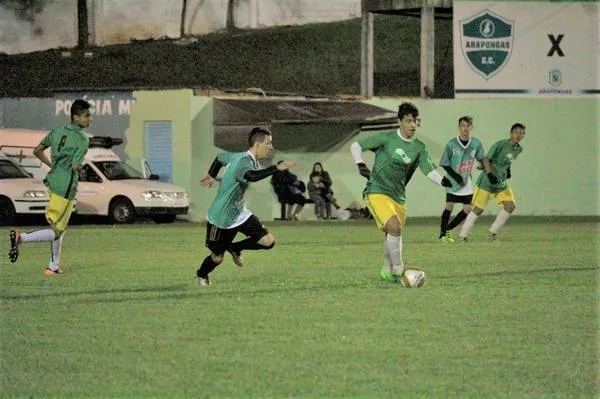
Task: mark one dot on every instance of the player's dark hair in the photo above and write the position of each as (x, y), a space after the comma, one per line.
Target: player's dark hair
(407, 109)
(466, 118)
(257, 135)
(79, 107)
(517, 126)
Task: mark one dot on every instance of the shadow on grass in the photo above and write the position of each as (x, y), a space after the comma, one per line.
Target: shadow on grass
(509, 272)
(170, 292)
(166, 288)
(187, 291)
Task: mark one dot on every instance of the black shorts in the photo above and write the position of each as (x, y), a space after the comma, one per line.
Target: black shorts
(218, 240)
(459, 199)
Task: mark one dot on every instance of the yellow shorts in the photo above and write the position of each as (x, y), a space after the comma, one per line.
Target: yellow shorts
(481, 197)
(383, 208)
(59, 211)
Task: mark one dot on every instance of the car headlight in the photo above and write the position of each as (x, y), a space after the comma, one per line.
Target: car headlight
(148, 195)
(35, 194)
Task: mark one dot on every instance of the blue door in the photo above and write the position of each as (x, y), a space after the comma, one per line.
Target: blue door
(159, 148)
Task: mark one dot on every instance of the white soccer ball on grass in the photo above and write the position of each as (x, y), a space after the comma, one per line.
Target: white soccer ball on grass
(413, 278)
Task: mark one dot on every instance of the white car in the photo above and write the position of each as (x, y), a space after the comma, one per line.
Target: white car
(20, 194)
(107, 185)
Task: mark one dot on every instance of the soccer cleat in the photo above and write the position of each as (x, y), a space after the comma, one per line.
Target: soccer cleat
(49, 272)
(203, 281)
(463, 239)
(237, 258)
(15, 241)
(449, 237)
(387, 276)
(493, 237)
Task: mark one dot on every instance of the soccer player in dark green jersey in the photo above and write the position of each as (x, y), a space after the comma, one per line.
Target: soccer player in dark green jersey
(492, 182)
(458, 158)
(227, 215)
(397, 155)
(68, 146)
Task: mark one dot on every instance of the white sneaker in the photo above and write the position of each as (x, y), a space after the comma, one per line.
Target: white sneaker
(203, 281)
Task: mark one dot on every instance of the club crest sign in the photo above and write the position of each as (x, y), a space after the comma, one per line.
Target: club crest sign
(487, 42)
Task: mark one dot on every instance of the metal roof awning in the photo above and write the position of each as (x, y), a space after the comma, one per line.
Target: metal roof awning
(297, 125)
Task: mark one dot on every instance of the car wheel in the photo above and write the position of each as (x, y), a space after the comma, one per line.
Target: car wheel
(164, 218)
(7, 212)
(121, 212)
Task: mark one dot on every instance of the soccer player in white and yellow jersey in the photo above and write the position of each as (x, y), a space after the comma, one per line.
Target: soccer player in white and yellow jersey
(397, 155)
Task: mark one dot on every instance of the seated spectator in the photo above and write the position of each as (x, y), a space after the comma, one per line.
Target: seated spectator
(319, 190)
(289, 191)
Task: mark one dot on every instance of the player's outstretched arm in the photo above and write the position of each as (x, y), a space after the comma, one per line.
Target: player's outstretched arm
(286, 165)
(458, 178)
(435, 177)
(256, 175)
(208, 181)
(356, 151)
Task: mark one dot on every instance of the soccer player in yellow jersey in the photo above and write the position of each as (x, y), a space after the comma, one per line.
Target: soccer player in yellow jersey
(68, 146)
(397, 155)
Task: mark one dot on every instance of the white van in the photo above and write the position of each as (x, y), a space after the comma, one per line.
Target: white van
(107, 185)
(20, 193)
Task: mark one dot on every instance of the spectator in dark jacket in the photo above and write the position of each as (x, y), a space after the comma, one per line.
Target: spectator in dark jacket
(319, 190)
(289, 191)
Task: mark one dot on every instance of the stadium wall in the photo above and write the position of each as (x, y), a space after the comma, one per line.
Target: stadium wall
(557, 173)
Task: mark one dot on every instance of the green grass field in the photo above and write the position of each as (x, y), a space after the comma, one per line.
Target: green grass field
(309, 319)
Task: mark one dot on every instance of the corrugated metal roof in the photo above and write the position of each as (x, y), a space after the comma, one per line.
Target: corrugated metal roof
(236, 111)
(297, 125)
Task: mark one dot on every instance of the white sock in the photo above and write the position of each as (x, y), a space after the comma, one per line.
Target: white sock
(387, 263)
(38, 235)
(467, 225)
(55, 247)
(394, 245)
(499, 221)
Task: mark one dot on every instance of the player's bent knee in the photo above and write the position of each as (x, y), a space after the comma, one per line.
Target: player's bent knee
(57, 232)
(217, 259)
(267, 241)
(509, 207)
(393, 226)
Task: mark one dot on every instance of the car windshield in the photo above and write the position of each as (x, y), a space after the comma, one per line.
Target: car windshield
(9, 170)
(117, 170)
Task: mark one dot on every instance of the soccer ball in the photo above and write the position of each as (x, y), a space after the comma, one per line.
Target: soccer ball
(413, 278)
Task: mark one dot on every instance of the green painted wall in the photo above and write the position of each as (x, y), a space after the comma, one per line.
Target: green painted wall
(557, 173)
(167, 105)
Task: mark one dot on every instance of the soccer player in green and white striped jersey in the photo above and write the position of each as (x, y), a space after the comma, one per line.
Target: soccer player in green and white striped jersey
(458, 158)
(492, 182)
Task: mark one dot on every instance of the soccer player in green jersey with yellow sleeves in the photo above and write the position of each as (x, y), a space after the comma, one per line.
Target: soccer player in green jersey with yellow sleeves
(227, 215)
(397, 155)
(457, 160)
(68, 146)
(492, 182)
